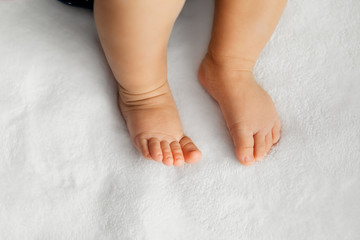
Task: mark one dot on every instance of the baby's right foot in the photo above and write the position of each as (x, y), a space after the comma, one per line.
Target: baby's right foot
(155, 128)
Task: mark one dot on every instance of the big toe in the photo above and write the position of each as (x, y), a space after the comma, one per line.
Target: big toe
(190, 151)
(244, 144)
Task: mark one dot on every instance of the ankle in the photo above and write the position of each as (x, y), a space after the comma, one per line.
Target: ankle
(217, 73)
(224, 68)
(130, 98)
(229, 61)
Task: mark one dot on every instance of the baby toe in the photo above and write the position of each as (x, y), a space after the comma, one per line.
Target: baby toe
(268, 142)
(260, 146)
(155, 149)
(167, 155)
(177, 153)
(276, 132)
(142, 144)
(244, 144)
(190, 151)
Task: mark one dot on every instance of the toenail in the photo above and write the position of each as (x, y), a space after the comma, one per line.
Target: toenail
(248, 159)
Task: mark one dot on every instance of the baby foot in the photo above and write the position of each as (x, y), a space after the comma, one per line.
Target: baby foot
(155, 128)
(248, 110)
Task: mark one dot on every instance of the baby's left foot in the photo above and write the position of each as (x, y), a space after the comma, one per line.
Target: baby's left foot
(249, 112)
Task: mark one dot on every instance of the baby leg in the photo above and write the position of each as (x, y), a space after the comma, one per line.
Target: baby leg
(240, 31)
(134, 35)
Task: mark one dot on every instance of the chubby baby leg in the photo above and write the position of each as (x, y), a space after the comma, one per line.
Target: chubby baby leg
(240, 31)
(134, 36)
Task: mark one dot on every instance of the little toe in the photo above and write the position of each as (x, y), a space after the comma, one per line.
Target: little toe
(268, 142)
(190, 151)
(260, 147)
(167, 154)
(144, 148)
(276, 132)
(155, 149)
(177, 153)
(244, 144)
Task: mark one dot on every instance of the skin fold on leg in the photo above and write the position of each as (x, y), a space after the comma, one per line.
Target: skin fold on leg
(241, 29)
(134, 36)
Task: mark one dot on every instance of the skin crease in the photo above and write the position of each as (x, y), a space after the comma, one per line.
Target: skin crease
(241, 30)
(134, 36)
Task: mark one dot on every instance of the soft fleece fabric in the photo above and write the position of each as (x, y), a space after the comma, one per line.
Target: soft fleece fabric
(68, 169)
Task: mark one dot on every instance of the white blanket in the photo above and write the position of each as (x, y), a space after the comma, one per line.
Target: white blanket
(68, 169)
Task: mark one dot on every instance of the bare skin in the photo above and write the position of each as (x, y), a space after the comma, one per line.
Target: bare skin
(240, 31)
(248, 110)
(134, 36)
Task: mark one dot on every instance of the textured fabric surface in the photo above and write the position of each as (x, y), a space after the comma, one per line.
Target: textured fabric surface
(68, 169)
